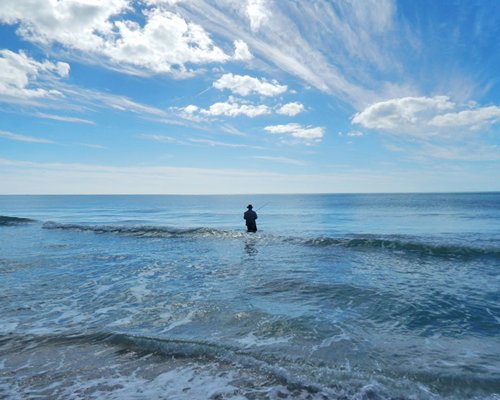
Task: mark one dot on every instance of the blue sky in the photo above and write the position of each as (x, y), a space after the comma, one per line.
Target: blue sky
(249, 96)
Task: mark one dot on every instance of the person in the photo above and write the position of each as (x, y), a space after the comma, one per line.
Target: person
(250, 216)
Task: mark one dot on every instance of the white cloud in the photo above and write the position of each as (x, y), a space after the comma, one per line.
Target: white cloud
(165, 43)
(425, 117)
(77, 24)
(241, 51)
(65, 118)
(162, 138)
(23, 138)
(307, 133)
(245, 85)
(93, 146)
(470, 152)
(257, 13)
(474, 119)
(291, 109)
(315, 42)
(403, 112)
(281, 160)
(233, 109)
(21, 76)
(25, 177)
(355, 134)
(215, 143)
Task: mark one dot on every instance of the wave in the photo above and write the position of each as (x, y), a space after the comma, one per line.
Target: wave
(144, 231)
(255, 369)
(395, 243)
(404, 244)
(8, 221)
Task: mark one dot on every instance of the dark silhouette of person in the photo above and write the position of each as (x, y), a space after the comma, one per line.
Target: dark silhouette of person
(250, 216)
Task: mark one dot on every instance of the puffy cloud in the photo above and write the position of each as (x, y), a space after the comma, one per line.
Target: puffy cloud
(165, 43)
(19, 75)
(425, 116)
(474, 119)
(257, 13)
(298, 131)
(241, 51)
(245, 85)
(233, 109)
(291, 109)
(78, 24)
(396, 113)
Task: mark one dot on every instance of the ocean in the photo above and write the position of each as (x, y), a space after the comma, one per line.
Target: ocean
(376, 296)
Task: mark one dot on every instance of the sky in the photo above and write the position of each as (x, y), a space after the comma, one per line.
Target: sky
(249, 96)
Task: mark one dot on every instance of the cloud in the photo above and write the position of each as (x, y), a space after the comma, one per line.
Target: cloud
(472, 119)
(425, 117)
(297, 131)
(241, 51)
(291, 109)
(355, 134)
(22, 76)
(230, 108)
(397, 113)
(93, 146)
(162, 139)
(245, 85)
(257, 13)
(469, 152)
(295, 42)
(281, 160)
(65, 118)
(215, 143)
(23, 138)
(164, 43)
(25, 177)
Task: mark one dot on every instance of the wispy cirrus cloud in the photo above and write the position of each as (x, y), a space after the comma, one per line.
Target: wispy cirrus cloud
(294, 41)
(64, 118)
(23, 138)
(281, 160)
(196, 141)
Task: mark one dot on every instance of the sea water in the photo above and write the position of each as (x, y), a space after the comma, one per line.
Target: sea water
(168, 297)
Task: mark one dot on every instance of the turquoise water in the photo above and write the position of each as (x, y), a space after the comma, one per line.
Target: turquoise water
(167, 297)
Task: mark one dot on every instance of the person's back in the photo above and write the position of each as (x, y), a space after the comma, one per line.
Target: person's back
(250, 216)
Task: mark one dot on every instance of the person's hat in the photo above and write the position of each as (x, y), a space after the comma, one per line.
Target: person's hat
(250, 206)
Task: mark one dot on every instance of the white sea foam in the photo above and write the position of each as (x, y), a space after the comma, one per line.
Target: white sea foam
(140, 292)
(187, 382)
(251, 340)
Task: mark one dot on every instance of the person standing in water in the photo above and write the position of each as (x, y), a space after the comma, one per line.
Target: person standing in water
(250, 216)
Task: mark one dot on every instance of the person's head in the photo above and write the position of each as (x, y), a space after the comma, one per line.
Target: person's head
(249, 206)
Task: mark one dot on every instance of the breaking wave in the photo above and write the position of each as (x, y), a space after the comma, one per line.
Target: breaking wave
(395, 243)
(144, 231)
(404, 244)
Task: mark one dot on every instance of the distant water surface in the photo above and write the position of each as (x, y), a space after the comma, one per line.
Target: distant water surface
(168, 297)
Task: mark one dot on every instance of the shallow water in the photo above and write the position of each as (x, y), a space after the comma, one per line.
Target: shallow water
(167, 297)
